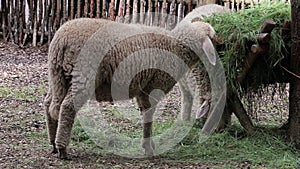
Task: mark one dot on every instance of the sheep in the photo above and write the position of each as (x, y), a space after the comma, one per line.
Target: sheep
(198, 73)
(63, 55)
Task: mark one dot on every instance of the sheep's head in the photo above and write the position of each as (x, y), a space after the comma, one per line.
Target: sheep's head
(198, 36)
(203, 28)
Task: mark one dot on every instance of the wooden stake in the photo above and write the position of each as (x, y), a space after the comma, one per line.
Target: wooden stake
(164, 14)
(127, 13)
(256, 50)
(104, 9)
(43, 25)
(10, 7)
(180, 11)
(46, 18)
(78, 15)
(16, 18)
(92, 4)
(149, 13)
(57, 17)
(111, 10)
(156, 13)
(65, 13)
(86, 7)
(4, 15)
(239, 110)
(171, 21)
(135, 12)
(98, 11)
(142, 11)
(34, 39)
(21, 18)
(72, 9)
(51, 21)
(121, 12)
(40, 20)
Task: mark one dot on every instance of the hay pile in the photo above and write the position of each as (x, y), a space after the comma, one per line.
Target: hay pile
(238, 32)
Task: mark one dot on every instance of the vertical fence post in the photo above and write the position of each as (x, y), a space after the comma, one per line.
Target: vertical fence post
(39, 19)
(142, 11)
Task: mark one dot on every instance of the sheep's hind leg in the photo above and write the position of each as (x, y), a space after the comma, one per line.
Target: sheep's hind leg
(65, 123)
(51, 123)
(147, 111)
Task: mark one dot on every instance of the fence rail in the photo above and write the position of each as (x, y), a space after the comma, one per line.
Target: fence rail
(35, 21)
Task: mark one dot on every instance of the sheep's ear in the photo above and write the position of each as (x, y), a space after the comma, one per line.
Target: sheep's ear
(210, 51)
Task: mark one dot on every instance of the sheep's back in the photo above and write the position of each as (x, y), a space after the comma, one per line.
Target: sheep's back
(68, 41)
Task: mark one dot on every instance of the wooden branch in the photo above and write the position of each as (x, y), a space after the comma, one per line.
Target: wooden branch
(237, 107)
(263, 38)
(256, 50)
(268, 26)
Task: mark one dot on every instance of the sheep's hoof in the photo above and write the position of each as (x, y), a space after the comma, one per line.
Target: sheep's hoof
(149, 152)
(54, 151)
(62, 154)
(149, 146)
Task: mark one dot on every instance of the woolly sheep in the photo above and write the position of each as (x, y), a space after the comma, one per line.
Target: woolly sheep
(63, 52)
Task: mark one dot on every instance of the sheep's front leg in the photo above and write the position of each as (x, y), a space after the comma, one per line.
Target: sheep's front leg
(65, 123)
(186, 101)
(51, 122)
(147, 111)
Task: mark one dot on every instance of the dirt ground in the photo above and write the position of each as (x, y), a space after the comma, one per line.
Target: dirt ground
(23, 142)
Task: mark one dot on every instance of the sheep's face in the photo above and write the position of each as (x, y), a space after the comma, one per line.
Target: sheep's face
(203, 28)
(202, 34)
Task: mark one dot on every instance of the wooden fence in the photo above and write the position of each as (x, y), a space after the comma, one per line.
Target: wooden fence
(35, 21)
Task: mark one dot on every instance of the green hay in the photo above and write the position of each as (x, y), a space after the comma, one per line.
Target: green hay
(238, 31)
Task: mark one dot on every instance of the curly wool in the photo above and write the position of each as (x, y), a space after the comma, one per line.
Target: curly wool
(65, 49)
